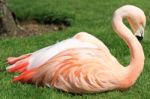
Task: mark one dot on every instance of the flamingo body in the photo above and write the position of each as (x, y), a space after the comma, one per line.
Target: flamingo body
(83, 64)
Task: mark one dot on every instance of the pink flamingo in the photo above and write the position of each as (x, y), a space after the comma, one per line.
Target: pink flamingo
(83, 64)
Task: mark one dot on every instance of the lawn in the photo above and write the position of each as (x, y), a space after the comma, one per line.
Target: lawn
(93, 16)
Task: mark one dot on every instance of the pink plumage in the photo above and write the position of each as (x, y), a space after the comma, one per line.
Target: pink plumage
(83, 64)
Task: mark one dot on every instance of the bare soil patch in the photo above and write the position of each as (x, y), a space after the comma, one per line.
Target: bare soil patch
(35, 28)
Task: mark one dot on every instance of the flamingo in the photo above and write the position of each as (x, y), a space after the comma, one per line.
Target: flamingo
(82, 63)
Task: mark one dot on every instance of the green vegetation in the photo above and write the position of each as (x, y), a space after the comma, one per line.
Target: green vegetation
(93, 16)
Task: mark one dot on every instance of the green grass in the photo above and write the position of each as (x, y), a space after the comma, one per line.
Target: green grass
(93, 16)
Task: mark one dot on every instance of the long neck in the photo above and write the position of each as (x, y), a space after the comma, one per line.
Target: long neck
(136, 51)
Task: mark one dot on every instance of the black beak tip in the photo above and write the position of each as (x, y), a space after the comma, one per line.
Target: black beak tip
(140, 38)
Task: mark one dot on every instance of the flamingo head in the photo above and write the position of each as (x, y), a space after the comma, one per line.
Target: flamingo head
(135, 17)
(138, 22)
(141, 25)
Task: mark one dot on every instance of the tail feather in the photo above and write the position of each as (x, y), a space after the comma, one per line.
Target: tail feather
(26, 76)
(17, 67)
(13, 60)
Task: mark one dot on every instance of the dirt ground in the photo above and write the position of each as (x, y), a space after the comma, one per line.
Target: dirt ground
(35, 28)
(28, 28)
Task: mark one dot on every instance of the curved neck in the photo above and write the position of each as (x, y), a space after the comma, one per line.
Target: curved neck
(136, 51)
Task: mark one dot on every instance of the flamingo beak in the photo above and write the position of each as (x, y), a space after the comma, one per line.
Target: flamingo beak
(140, 33)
